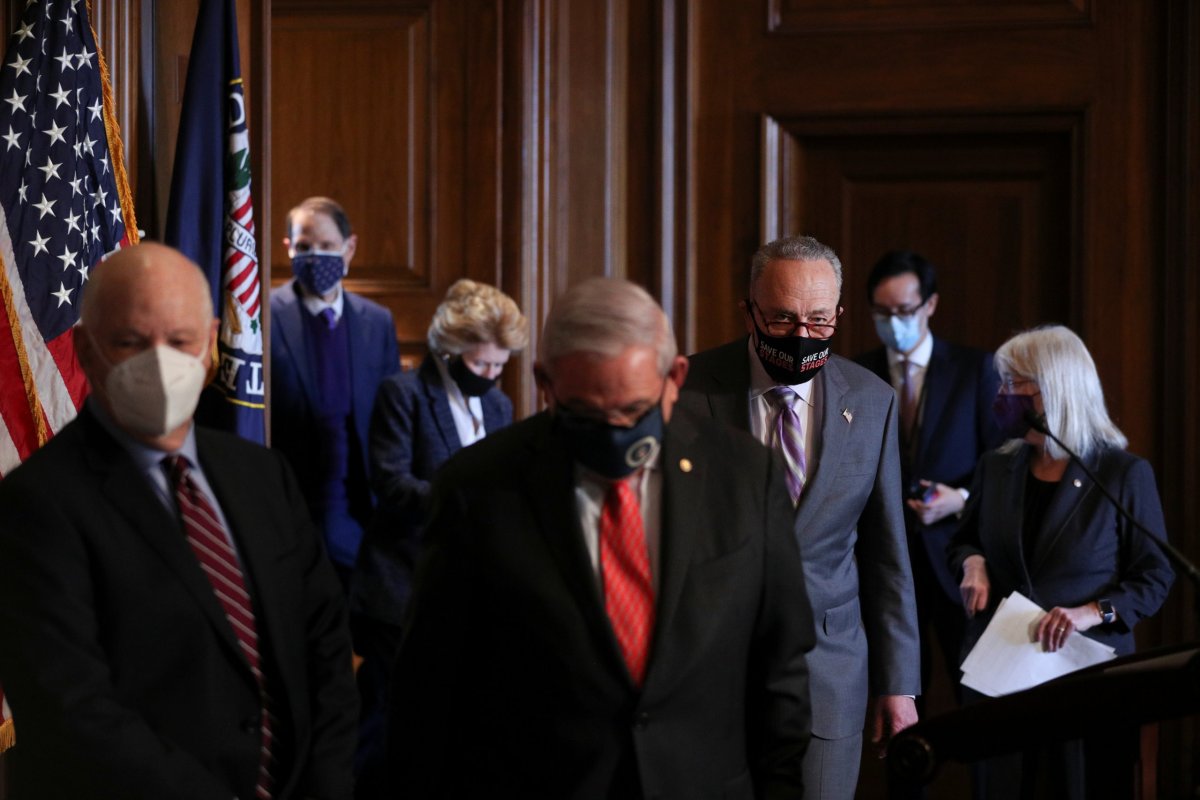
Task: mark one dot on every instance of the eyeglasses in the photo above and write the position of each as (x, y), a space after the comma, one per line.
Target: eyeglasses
(1010, 383)
(880, 313)
(786, 323)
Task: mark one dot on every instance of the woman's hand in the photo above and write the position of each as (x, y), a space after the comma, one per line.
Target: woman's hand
(1053, 629)
(975, 586)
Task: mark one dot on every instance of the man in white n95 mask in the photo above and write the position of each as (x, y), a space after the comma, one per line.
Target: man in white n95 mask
(171, 626)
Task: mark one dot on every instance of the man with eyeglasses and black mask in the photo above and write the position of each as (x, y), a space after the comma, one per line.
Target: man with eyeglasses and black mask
(330, 350)
(835, 425)
(611, 603)
(945, 393)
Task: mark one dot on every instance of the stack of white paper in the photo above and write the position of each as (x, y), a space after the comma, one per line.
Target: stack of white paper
(1006, 659)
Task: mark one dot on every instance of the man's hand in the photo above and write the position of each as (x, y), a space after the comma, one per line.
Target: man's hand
(975, 586)
(890, 714)
(938, 502)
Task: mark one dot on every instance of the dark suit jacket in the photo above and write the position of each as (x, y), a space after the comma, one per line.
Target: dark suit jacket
(374, 355)
(957, 427)
(412, 434)
(510, 682)
(1085, 551)
(123, 674)
(850, 529)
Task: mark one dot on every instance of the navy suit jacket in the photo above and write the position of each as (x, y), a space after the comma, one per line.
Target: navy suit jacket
(510, 681)
(1085, 551)
(412, 434)
(374, 355)
(850, 529)
(124, 675)
(957, 427)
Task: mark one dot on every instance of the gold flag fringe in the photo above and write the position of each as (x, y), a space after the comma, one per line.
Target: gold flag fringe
(115, 148)
(8, 735)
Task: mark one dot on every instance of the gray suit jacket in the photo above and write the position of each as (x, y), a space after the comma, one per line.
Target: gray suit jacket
(850, 527)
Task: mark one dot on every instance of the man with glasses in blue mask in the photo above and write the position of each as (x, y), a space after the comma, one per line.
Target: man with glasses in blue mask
(835, 425)
(611, 603)
(945, 393)
(330, 350)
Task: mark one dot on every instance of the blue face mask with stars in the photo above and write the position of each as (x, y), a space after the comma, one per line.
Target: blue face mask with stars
(319, 271)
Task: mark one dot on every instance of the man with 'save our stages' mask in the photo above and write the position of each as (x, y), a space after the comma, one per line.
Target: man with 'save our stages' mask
(835, 424)
(611, 600)
(330, 350)
(171, 625)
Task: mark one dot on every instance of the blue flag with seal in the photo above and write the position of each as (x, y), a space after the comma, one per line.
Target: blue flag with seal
(210, 218)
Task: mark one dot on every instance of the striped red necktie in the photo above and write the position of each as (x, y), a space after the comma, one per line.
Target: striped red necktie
(625, 572)
(210, 542)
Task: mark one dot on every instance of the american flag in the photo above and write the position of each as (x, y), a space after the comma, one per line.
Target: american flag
(65, 204)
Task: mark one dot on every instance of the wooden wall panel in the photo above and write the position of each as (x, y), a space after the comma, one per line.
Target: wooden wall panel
(393, 109)
(808, 16)
(366, 143)
(992, 210)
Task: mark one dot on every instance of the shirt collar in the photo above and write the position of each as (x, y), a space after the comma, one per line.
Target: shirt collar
(315, 305)
(144, 456)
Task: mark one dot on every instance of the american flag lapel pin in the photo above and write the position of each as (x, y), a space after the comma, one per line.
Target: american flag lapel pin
(848, 414)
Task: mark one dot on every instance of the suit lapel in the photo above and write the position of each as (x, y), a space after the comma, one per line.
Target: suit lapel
(938, 376)
(290, 326)
(493, 412)
(683, 476)
(550, 487)
(1011, 509)
(835, 431)
(135, 500)
(1067, 499)
(362, 387)
(250, 527)
(439, 405)
(730, 403)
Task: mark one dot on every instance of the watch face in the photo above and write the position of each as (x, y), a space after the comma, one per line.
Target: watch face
(1106, 611)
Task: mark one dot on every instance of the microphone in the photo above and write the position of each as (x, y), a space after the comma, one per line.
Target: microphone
(1038, 423)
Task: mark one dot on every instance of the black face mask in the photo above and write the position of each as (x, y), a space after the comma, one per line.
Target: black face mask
(790, 360)
(1013, 412)
(612, 451)
(469, 383)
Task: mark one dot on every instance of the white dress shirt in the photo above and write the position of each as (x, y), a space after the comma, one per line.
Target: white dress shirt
(590, 491)
(467, 411)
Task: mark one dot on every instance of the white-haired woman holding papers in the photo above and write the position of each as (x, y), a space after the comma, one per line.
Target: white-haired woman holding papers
(1037, 525)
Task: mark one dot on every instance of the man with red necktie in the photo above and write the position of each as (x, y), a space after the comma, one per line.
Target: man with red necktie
(172, 626)
(611, 603)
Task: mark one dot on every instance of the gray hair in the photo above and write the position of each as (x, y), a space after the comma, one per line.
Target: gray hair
(605, 316)
(795, 248)
(474, 314)
(1059, 362)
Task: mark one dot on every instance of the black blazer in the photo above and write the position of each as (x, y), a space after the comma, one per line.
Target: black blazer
(1085, 551)
(124, 677)
(957, 427)
(509, 680)
(412, 434)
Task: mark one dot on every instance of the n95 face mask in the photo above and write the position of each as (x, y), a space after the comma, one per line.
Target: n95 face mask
(156, 391)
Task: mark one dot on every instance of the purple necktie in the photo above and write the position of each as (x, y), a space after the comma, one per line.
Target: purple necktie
(789, 438)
